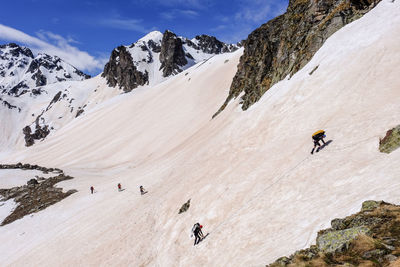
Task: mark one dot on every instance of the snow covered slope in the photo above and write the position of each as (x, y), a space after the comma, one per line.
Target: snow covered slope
(35, 114)
(28, 85)
(251, 179)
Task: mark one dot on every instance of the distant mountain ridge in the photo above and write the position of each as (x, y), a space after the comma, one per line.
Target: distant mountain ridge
(21, 71)
(157, 56)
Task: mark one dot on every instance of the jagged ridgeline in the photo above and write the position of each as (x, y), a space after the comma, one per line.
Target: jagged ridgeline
(22, 72)
(157, 56)
(285, 44)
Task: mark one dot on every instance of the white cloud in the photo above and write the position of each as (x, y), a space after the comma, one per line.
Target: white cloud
(197, 4)
(53, 44)
(249, 16)
(259, 11)
(124, 24)
(175, 13)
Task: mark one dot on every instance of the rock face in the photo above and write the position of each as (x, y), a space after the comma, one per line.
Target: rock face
(184, 207)
(121, 71)
(285, 44)
(172, 56)
(21, 71)
(391, 141)
(368, 238)
(339, 240)
(35, 196)
(211, 45)
(38, 130)
(157, 56)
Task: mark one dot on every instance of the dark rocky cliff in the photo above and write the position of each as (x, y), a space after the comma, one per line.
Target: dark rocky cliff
(120, 71)
(172, 56)
(285, 44)
(211, 45)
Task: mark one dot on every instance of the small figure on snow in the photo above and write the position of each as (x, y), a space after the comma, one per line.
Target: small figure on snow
(198, 234)
(119, 187)
(142, 191)
(318, 136)
(92, 189)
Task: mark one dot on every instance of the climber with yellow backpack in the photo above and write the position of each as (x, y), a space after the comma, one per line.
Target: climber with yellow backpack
(318, 136)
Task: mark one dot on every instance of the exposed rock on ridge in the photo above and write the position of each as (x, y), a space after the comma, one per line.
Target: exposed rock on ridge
(121, 71)
(285, 44)
(172, 56)
(211, 45)
(158, 56)
(37, 195)
(21, 71)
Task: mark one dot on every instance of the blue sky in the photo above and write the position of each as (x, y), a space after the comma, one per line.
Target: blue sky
(84, 32)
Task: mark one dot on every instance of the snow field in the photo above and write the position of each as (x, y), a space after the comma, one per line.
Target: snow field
(251, 179)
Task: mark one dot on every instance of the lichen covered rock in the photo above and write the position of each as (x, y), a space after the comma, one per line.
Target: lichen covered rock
(370, 205)
(336, 241)
(370, 237)
(391, 141)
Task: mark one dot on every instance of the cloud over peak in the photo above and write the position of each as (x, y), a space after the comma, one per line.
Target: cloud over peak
(53, 44)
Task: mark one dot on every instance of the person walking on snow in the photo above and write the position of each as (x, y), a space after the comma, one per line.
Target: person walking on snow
(92, 189)
(318, 136)
(119, 187)
(198, 234)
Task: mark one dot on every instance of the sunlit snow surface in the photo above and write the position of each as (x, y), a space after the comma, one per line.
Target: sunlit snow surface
(251, 179)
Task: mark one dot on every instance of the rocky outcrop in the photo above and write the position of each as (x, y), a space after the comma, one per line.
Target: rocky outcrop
(40, 133)
(37, 195)
(27, 166)
(41, 130)
(368, 238)
(285, 44)
(184, 207)
(211, 45)
(121, 71)
(391, 141)
(172, 56)
(16, 50)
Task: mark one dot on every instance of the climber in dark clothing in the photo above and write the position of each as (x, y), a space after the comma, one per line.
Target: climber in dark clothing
(318, 136)
(198, 234)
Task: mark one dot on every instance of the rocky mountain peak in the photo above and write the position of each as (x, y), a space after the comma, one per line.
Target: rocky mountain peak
(172, 56)
(121, 71)
(211, 45)
(157, 56)
(14, 50)
(21, 71)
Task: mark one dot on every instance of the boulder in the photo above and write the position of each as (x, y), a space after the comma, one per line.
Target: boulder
(32, 182)
(391, 141)
(336, 241)
(370, 205)
(184, 207)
